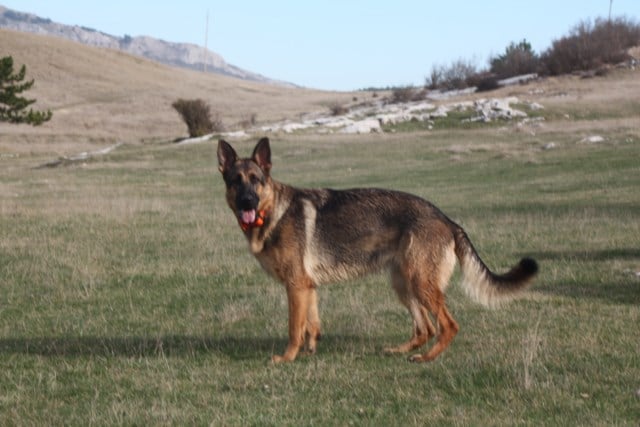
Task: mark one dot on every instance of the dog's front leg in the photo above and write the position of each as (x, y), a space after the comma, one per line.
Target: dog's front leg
(298, 299)
(312, 327)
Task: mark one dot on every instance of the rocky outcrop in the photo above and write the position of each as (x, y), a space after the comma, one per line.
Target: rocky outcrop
(370, 118)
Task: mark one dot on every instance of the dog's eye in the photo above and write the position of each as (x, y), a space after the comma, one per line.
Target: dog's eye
(254, 179)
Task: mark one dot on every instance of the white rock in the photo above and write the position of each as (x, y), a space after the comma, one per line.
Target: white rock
(341, 122)
(497, 108)
(290, 127)
(392, 119)
(237, 134)
(593, 139)
(421, 106)
(440, 112)
(518, 79)
(363, 126)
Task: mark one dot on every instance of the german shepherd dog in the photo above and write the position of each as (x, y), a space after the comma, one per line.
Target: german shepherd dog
(308, 237)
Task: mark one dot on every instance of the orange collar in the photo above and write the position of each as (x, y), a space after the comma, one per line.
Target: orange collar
(259, 221)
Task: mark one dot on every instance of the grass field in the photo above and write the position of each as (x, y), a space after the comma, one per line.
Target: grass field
(128, 296)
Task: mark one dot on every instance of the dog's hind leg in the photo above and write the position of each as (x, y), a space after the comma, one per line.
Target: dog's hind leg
(430, 281)
(448, 330)
(312, 327)
(431, 296)
(423, 329)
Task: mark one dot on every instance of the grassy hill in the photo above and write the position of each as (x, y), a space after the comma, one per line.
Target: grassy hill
(104, 95)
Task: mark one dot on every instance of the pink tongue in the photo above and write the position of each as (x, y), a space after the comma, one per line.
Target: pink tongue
(248, 217)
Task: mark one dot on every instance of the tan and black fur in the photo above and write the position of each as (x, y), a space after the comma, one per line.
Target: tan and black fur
(308, 237)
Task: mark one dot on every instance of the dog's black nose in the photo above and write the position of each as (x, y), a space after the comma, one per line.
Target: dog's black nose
(247, 201)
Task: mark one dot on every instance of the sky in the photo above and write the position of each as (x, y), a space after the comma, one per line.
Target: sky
(338, 45)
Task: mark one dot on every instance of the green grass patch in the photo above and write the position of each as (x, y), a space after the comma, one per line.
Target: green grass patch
(128, 295)
(456, 120)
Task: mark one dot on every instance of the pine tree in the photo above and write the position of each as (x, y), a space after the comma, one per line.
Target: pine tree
(13, 108)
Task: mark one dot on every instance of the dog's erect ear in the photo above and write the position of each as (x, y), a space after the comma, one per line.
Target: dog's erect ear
(226, 156)
(262, 155)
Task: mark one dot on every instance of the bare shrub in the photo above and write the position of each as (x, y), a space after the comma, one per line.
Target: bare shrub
(435, 78)
(338, 109)
(591, 45)
(407, 94)
(454, 76)
(197, 116)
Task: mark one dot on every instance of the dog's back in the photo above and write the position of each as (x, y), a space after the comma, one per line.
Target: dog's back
(358, 231)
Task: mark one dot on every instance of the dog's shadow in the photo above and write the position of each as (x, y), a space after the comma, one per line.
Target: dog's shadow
(239, 348)
(179, 346)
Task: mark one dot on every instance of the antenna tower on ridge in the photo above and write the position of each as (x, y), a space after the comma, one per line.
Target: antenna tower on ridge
(206, 42)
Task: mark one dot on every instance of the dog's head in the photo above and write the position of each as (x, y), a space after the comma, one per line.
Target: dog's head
(248, 182)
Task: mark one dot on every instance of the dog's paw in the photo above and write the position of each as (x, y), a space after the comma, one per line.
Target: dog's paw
(416, 358)
(277, 359)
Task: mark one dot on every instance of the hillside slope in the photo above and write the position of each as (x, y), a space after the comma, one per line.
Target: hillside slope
(99, 94)
(176, 54)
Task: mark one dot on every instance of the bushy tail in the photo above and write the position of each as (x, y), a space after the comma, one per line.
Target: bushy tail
(482, 284)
